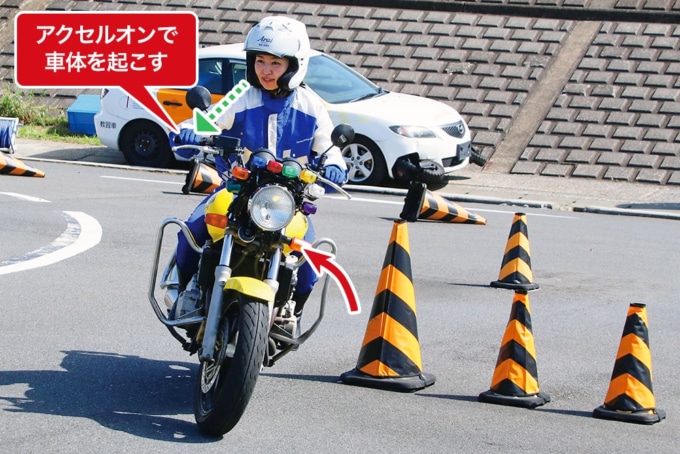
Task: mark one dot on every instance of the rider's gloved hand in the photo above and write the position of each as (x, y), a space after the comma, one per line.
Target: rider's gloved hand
(186, 136)
(335, 174)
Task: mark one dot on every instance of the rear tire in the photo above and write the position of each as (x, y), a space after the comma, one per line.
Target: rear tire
(224, 386)
(145, 144)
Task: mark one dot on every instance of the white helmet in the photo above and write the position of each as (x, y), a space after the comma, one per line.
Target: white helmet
(282, 37)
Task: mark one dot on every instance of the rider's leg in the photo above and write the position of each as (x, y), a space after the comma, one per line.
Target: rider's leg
(187, 257)
(306, 276)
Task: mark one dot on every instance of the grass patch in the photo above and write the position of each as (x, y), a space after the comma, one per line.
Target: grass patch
(57, 132)
(39, 121)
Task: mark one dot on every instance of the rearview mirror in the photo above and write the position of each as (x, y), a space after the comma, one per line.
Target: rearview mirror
(342, 135)
(198, 98)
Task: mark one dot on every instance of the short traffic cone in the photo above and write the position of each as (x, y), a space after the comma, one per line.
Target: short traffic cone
(630, 397)
(421, 203)
(10, 165)
(202, 178)
(515, 271)
(515, 380)
(390, 353)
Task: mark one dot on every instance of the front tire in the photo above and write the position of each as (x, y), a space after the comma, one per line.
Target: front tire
(365, 162)
(224, 386)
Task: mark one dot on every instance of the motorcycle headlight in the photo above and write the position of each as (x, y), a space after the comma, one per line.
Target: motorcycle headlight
(271, 208)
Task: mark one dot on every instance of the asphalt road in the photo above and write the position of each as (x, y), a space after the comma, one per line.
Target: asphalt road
(467, 185)
(86, 366)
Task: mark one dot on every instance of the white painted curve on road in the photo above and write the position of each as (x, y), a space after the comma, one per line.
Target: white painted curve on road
(82, 233)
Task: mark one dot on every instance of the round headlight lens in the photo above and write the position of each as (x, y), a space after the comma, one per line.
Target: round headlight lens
(271, 208)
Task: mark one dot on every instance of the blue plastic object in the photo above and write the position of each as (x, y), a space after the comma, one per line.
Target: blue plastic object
(81, 114)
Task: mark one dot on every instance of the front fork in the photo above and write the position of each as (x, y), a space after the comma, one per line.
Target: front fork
(222, 276)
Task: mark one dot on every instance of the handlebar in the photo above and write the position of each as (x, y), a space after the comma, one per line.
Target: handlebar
(334, 186)
(201, 148)
(207, 147)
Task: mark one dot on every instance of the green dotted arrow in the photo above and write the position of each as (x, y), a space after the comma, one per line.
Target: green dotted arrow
(204, 123)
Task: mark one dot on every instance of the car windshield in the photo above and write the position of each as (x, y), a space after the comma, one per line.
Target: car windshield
(336, 83)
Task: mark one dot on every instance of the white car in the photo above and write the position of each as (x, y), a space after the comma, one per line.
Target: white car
(395, 134)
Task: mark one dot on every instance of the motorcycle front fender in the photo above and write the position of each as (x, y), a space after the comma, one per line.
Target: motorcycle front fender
(251, 287)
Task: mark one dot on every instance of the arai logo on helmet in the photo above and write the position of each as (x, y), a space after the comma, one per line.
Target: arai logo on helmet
(264, 42)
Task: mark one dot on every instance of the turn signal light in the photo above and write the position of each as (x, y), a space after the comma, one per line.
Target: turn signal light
(216, 220)
(240, 173)
(297, 244)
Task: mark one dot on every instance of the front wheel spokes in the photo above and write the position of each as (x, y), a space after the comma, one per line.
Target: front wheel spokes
(211, 369)
(209, 373)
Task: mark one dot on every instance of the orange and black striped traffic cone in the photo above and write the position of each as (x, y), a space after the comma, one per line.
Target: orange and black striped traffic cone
(630, 397)
(10, 165)
(421, 203)
(515, 380)
(390, 353)
(202, 178)
(515, 271)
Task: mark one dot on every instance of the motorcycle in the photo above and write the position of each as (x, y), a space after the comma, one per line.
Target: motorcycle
(237, 311)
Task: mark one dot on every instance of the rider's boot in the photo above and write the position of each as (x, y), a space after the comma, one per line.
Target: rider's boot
(300, 300)
(183, 279)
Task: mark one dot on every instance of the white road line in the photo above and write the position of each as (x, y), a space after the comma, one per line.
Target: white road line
(28, 198)
(82, 233)
(143, 180)
(510, 210)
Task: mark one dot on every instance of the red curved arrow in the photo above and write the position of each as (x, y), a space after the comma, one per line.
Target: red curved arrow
(320, 261)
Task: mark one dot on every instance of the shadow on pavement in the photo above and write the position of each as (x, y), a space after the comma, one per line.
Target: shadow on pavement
(121, 392)
(650, 206)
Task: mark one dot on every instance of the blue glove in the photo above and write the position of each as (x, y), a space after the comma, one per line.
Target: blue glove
(335, 174)
(185, 137)
(188, 137)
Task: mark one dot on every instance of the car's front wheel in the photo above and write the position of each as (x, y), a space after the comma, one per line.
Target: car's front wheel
(145, 144)
(365, 162)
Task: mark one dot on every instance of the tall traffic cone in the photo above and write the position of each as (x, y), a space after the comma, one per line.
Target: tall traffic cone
(421, 203)
(202, 178)
(515, 271)
(630, 397)
(10, 165)
(390, 353)
(515, 380)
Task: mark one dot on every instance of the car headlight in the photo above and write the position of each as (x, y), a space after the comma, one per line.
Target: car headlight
(271, 207)
(414, 132)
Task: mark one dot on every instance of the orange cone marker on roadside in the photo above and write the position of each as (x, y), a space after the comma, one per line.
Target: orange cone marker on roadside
(202, 179)
(515, 273)
(515, 379)
(421, 203)
(390, 352)
(10, 165)
(630, 397)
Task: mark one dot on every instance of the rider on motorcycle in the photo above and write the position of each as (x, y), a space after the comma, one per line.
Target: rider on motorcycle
(279, 113)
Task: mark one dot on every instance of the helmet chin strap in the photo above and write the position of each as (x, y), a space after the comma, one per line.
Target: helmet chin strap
(279, 93)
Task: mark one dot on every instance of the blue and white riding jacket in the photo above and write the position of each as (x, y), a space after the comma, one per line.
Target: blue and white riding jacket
(297, 126)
